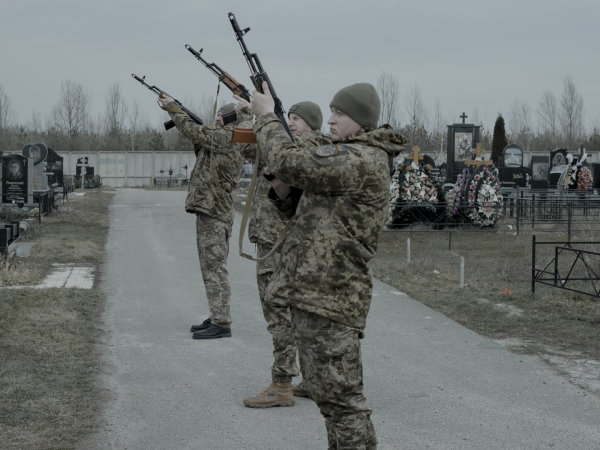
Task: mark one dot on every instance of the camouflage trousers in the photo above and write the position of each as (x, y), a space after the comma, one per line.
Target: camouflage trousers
(332, 372)
(212, 237)
(278, 321)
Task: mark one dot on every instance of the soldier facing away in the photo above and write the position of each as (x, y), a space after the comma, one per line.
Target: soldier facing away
(266, 223)
(322, 273)
(216, 172)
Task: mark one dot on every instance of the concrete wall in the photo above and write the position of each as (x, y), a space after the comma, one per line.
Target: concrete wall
(131, 168)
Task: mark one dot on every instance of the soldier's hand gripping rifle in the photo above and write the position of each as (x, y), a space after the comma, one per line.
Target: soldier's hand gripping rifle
(231, 83)
(170, 124)
(258, 73)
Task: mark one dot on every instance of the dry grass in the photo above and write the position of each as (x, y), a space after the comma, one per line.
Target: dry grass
(493, 262)
(47, 396)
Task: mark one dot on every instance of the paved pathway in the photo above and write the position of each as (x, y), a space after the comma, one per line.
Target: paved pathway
(431, 382)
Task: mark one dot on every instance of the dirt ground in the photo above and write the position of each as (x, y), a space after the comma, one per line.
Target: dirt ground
(48, 399)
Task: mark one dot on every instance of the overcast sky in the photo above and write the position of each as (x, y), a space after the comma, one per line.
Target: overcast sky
(471, 54)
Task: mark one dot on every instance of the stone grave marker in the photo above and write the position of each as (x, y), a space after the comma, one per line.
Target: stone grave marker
(540, 168)
(37, 152)
(558, 159)
(462, 139)
(55, 165)
(16, 178)
(513, 171)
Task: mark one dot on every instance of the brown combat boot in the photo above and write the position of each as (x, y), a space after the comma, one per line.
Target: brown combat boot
(300, 390)
(277, 394)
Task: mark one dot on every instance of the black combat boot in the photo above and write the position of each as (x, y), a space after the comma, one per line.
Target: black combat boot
(202, 326)
(212, 332)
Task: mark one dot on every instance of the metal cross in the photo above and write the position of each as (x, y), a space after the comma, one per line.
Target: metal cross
(463, 117)
(415, 156)
(478, 154)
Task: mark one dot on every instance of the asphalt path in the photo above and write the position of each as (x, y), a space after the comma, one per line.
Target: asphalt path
(432, 384)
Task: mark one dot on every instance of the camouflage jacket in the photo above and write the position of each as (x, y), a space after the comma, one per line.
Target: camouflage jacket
(205, 194)
(323, 263)
(266, 222)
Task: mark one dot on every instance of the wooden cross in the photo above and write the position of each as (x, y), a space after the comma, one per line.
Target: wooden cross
(478, 154)
(415, 156)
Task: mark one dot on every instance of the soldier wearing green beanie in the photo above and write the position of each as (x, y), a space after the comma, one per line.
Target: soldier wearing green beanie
(322, 274)
(229, 107)
(307, 112)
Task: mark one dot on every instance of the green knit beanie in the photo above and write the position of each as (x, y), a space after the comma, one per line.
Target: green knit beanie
(361, 102)
(310, 112)
(226, 108)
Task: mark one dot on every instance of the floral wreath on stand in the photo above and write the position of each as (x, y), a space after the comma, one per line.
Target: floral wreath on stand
(583, 178)
(484, 197)
(570, 176)
(412, 188)
(455, 196)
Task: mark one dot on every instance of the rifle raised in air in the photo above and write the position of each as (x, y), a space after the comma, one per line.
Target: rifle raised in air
(170, 124)
(258, 73)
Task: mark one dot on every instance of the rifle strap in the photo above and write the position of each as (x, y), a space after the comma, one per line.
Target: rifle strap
(247, 208)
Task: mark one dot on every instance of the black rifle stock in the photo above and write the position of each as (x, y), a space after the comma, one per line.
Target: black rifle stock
(258, 74)
(170, 124)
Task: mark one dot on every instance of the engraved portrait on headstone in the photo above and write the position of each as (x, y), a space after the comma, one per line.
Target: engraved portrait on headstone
(512, 156)
(37, 152)
(558, 157)
(14, 178)
(463, 146)
(15, 170)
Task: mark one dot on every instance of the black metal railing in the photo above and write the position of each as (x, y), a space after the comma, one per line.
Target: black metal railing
(584, 274)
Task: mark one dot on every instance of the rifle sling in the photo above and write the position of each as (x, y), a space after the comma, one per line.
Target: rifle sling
(247, 208)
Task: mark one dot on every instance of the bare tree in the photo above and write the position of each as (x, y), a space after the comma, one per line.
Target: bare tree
(115, 115)
(7, 119)
(36, 122)
(70, 115)
(520, 124)
(548, 115)
(440, 131)
(137, 121)
(571, 113)
(388, 89)
(414, 108)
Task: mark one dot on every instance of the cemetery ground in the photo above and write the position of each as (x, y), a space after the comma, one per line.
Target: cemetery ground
(496, 302)
(47, 394)
(560, 326)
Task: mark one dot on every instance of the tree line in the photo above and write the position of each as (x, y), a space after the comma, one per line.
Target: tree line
(558, 120)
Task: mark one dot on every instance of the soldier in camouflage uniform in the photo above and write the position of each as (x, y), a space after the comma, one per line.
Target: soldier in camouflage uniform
(215, 174)
(322, 273)
(265, 225)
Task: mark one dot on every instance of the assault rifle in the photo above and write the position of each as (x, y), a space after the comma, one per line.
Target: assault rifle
(226, 79)
(258, 73)
(170, 124)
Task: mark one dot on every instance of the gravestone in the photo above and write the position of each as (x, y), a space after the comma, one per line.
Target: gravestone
(512, 156)
(37, 152)
(500, 162)
(513, 175)
(596, 175)
(540, 169)
(558, 157)
(462, 140)
(558, 162)
(16, 178)
(55, 164)
(428, 160)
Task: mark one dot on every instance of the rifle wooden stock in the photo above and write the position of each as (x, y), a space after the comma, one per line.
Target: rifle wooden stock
(243, 136)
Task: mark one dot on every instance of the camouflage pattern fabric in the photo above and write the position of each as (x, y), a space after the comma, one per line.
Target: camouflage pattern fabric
(332, 371)
(323, 266)
(278, 322)
(212, 237)
(266, 221)
(205, 194)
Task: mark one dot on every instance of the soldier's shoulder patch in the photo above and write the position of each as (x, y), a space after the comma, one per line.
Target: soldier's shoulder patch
(330, 150)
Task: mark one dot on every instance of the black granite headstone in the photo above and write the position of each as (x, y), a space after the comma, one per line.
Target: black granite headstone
(15, 179)
(55, 165)
(540, 168)
(428, 160)
(558, 157)
(596, 175)
(512, 156)
(513, 175)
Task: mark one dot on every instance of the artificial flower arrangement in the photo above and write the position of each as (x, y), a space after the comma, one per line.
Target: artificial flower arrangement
(583, 178)
(413, 188)
(484, 197)
(455, 197)
(571, 176)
